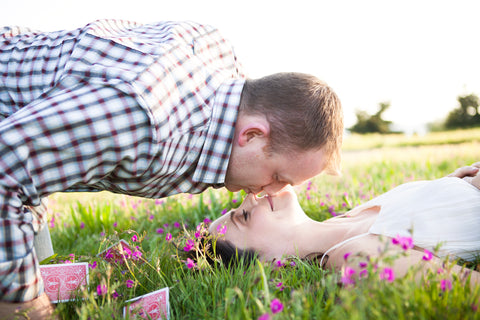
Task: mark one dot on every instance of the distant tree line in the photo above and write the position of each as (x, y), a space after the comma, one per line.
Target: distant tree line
(465, 116)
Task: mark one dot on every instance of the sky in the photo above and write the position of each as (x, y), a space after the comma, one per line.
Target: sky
(418, 55)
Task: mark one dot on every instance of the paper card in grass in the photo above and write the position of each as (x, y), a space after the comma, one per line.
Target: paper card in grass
(63, 281)
(116, 252)
(154, 305)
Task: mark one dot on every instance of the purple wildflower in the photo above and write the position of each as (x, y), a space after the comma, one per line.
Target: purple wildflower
(265, 316)
(190, 263)
(276, 306)
(427, 256)
(221, 229)
(129, 283)
(101, 289)
(404, 242)
(387, 274)
(347, 277)
(445, 285)
(189, 245)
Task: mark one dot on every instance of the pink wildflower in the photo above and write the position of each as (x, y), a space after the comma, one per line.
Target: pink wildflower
(176, 225)
(52, 222)
(134, 238)
(346, 255)
(101, 289)
(221, 229)
(363, 273)
(82, 225)
(207, 221)
(427, 256)
(309, 185)
(190, 263)
(445, 285)
(265, 316)
(387, 274)
(108, 255)
(168, 237)
(189, 245)
(405, 242)
(127, 253)
(224, 211)
(92, 265)
(347, 277)
(331, 210)
(280, 286)
(279, 263)
(160, 230)
(129, 283)
(276, 306)
(136, 255)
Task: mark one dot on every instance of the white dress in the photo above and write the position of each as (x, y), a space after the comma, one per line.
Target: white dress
(445, 211)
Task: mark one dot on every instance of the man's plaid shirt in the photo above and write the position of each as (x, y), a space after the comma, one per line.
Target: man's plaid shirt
(145, 110)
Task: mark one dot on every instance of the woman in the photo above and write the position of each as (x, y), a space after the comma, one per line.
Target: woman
(444, 211)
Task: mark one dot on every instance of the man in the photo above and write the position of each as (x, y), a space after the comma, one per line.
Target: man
(147, 110)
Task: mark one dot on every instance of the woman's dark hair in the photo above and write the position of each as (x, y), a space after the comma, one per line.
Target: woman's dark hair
(231, 255)
(214, 249)
(316, 258)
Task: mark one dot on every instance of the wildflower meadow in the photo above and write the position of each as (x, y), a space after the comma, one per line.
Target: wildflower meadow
(86, 224)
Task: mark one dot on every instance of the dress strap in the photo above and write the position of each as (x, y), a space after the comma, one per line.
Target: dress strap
(341, 244)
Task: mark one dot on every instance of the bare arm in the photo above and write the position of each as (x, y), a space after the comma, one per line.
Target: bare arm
(468, 173)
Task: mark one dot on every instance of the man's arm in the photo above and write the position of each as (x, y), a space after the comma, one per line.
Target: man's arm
(469, 174)
(75, 136)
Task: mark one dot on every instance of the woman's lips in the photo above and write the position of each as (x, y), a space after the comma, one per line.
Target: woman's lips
(270, 200)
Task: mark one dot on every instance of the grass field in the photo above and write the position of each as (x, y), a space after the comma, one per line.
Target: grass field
(84, 224)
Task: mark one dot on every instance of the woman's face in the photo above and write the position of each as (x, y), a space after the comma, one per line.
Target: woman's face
(266, 225)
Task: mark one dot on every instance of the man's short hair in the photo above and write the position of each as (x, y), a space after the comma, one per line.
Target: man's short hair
(304, 114)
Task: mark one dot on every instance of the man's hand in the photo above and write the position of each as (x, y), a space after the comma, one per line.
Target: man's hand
(469, 174)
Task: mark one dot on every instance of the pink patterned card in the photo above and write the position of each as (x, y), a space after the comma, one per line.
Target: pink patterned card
(154, 305)
(62, 281)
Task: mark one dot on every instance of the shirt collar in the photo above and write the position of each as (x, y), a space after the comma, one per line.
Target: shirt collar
(213, 162)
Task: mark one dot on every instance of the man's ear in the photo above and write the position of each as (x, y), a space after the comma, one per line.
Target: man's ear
(253, 130)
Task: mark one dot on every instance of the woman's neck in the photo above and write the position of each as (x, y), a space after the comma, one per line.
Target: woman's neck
(317, 237)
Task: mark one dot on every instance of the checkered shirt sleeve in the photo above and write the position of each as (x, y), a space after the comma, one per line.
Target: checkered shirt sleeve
(115, 106)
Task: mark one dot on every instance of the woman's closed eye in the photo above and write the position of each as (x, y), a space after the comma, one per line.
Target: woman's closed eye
(246, 214)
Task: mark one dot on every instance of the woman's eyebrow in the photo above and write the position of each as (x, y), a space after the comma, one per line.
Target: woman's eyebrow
(231, 218)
